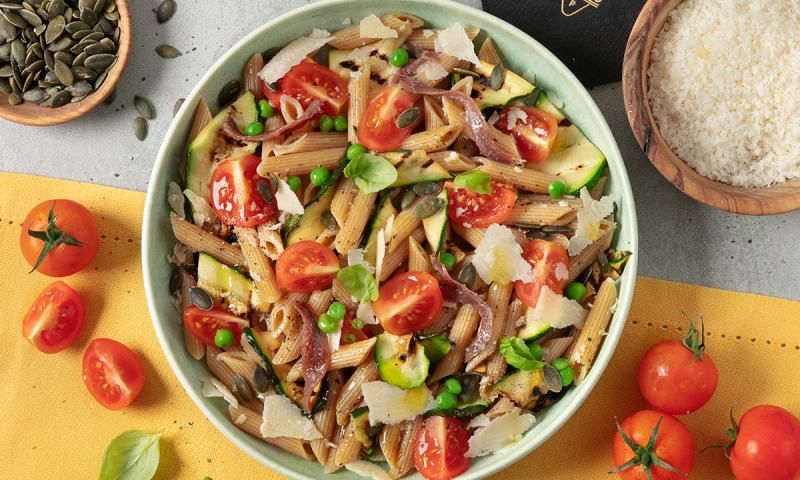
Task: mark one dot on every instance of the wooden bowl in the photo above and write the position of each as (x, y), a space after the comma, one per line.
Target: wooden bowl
(778, 198)
(28, 113)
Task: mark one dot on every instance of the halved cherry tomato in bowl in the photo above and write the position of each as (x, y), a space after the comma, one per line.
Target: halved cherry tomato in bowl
(306, 266)
(550, 263)
(204, 324)
(55, 319)
(307, 82)
(351, 334)
(673, 446)
(534, 133)
(767, 445)
(440, 448)
(235, 196)
(378, 128)
(113, 373)
(472, 209)
(408, 302)
(68, 232)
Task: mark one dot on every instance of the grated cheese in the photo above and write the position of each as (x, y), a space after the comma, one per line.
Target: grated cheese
(513, 114)
(500, 432)
(562, 272)
(372, 27)
(589, 217)
(454, 41)
(287, 199)
(556, 310)
(282, 418)
(380, 253)
(292, 54)
(390, 405)
(427, 33)
(498, 257)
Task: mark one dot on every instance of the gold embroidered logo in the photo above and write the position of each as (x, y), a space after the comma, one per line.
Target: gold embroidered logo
(571, 7)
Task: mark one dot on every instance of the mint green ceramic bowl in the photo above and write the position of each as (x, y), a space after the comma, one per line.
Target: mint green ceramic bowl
(523, 55)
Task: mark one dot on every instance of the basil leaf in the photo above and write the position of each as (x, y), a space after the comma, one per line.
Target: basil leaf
(133, 455)
(371, 173)
(475, 180)
(518, 355)
(359, 282)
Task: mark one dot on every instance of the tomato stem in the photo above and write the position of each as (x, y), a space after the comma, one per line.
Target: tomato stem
(644, 455)
(695, 340)
(52, 236)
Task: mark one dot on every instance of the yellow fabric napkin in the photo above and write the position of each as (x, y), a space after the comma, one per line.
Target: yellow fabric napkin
(52, 428)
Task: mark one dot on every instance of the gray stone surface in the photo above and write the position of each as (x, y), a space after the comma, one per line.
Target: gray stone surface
(680, 239)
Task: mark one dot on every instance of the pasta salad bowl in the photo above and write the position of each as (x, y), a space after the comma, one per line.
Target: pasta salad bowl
(533, 64)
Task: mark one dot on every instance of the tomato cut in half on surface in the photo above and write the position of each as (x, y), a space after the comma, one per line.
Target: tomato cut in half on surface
(67, 232)
(408, 302)
(113, 373)
(55, 318)
(235, 193)
(378, 128)
(307, 82)
(671, 445)
(204, 324)
(473, 209)
(767, 445)
(550, 263)
(306, 266)
(533, 130)
(440, 448)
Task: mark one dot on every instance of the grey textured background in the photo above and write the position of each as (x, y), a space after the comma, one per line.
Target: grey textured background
(680, 240)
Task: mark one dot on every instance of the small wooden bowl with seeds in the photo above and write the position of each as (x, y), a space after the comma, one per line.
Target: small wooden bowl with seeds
(59, 59)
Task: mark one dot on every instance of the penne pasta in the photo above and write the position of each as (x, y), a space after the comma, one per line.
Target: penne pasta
(583, 353)
(434, 116)
(443, 322)
(330, 465)
(351, 230)
(225, 375)
(351, 395)
(460, 335)
(202, 117)
(394, 259)
(350, 37)
(555, 347)
(343, 296)
(390, 440)
(290, 108)
(259, 266)
(527, 213)
(311, 142)
(349, 447)
(497, 298)
(425, 38)
(320, 300)
(473, 235)
(270, 242)
(432, 140)
(272, 123)
(597, 191)
(496, 364)
(453, 161)
(301, 163)
(358, 87)
(501, 407)
(418, 259)
(251, 423)
(405, 456)
(405, 223)
(343, 199)
(522, 177)
(199, 240)
(252, 82)
(489, 54)
(347, 356)
(194, 346)
(325, 420)
(588, 255)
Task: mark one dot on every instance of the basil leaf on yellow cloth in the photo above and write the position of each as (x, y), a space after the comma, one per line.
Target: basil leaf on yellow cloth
(134, 455)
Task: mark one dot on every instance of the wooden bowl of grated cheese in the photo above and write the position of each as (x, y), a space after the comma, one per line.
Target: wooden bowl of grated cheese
(710, 93)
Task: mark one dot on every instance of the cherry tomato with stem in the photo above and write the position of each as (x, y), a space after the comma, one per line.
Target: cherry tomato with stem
(650, 445)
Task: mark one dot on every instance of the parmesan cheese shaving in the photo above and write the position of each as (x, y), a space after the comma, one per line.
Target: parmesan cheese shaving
(213, 388)
(287, 199)
(589, 217)
(431, 71)
(515, 114)
(365, 314)
(292, 54)
(556, 310)
(372, 27)
(454, 41)
(368, 470)
(498, 257)
(390, 405)
(201, 210)
(282, 418)
(176, 200)
(380, 253)
(500, 432)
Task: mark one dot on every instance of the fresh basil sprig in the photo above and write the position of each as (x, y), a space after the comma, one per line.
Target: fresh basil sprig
(476, 180)
(359, 282)
(371, 173)
(134, 455)
(518, 355)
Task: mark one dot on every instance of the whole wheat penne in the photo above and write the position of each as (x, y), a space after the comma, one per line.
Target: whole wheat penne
(311, 142)
(343, 199)
(325, 420)
(291, 345)
(567, 200)
(358, 87)
(349, 447)
(226, 375)
(473, 235)
(251, 423)
(453, 161)
(434, 116)
(351, 391)
(296, 372)
(199, 240)
(301, 163)
(350, 37)
(599, 188)
(443, 322)
(497, 298)
(270, 242)
(461, 335)
(425, 38)
(290, 108)
(405, 457)
(259, 265)
(501, 407)
(488, 53)
(390, 440)
(251, 81)
(239, 363)
(320, 300)
(524, 178)
(418, 259)
(272, 123)
(394, 259)
(343, 296)
(202, 116)
(496, 364)
(351, 230)
(588, 255)
(194, 346)
(555, 347)
(403, 226)
(330, 465)
(432, 140)
(352, 354)
(540, 214)
(591, 336)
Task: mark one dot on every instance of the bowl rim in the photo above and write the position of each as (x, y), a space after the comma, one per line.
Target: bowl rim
(777, 198)
(625, 293)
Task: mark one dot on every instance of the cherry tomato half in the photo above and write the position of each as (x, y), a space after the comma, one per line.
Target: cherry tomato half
(204, 324)
(408, 302)
(55, 319)
(309, 81)
(673, 445)
(113, 373)
(472, 209)
(440, 448)
(235, 196)
(69, 228)
(550, 263)
(767, 445)
(306, 266)
(378, 128)
(534, 134)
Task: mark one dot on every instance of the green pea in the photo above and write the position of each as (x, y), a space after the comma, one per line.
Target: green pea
(319, 176)
(327, 323)
(337, 310)
(448, 260)
(576, 291)
(325, 123)
(355, 151)
(223, 338)
(399, 58)
(453, 386)
(536, 350)
(340, 123)
(255, 128)
(446, 400)
(565, 370)
(265, 109)
(357, 323)
(556, 188)
(349, 338)
(294, 183)
(560, 364)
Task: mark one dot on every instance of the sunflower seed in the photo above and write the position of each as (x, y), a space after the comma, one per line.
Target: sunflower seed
(200, 298)
(54, 29)
(63, 73)
(14, 99)
(60, 99)
(165, 11)
(407, 118)
(552, 379)
(177, 106)
(144, 107)
(329, 221)
(140, 130)
(34, 96)
(407, 199)
(100, 61)
(242, 388)
(265, 191)
(5, 87)
(429, 206)
(426, 188)
(260, 379)
(80, 88)
(167, 51)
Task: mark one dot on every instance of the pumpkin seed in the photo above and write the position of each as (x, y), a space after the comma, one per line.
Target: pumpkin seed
(177, 106)
(260, 379)
(7, 30)
(5, 52)
(426, 188)
(467, 275)
(38, 30)
(64, 73)
(498, 77)
(33, 67)
(165, 11)
(30, 17)
(228, 93)
(78, 61)
(80, 88)
(89, 17)
(200, 298)
(265, 191)
(329, 221)
(144, 107)
(242, 388)
(97, 48)
(602, 260)
(14, 99)
(5, 87)
(408, 198)
(56, 8)
(140, 130)
(105, 26)
(60, 99)
(407, 118)
(100, 61)
(77, 26)
(18, 51)
(167, 51)
(10, 6)
(14, 19)
(100, 79)
(429, 206)
(552, 379)
(54, 29)
(61, 44)
(6, 71)
(81, 46)
(35, 95)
